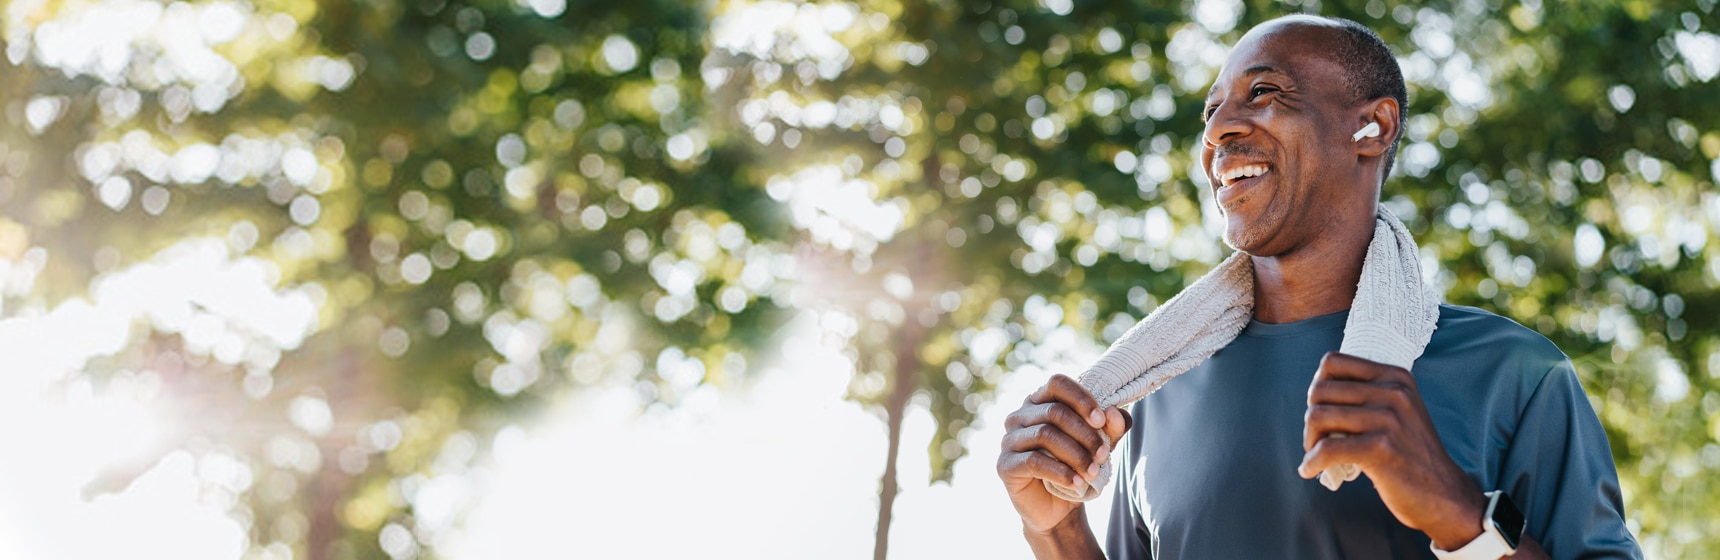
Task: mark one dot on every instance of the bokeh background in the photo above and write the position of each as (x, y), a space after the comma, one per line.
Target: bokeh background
(741, 279)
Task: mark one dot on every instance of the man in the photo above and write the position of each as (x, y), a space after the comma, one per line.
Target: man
(1221, 461)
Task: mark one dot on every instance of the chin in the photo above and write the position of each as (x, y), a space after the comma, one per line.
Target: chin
(1250, 236)
(1240, 239)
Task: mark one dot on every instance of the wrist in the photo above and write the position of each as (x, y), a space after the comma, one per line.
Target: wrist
(1070, 538)
(1502, 532)
(1076, 519)
(1462, 526)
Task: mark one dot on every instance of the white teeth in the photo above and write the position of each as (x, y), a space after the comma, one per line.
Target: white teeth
(1230, 176)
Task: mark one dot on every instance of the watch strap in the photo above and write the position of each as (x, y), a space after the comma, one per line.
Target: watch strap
(1490, 545)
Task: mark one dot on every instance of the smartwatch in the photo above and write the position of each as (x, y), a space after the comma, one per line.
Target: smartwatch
(1501, 532)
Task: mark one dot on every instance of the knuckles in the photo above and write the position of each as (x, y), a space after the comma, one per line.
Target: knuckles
(1377, 447)
(1063, 381)
(1016, 419)
(1047, 422)
(1063, 415)
(1043, 432)
(1334, 361)
(1012, 463)
(1319, 414)
(1402, 396)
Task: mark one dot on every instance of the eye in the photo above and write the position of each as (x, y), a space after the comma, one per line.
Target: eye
(1260, 90)
(1207, 115)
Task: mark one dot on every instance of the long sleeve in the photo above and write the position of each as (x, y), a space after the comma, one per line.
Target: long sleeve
(1559, 470)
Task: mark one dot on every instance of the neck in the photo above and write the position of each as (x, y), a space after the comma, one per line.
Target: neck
(1316, 279)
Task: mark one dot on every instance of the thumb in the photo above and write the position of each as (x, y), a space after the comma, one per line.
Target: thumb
(1117, 423)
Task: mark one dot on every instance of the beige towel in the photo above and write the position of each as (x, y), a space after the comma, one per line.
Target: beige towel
(1390, 322)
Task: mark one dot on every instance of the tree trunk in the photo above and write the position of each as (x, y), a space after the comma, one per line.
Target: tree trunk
(328, 489)
(909, 338)
(324, 494)
(907, 367)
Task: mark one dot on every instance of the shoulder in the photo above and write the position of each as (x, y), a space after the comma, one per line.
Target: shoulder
(1469, 329)
(1479, 341)
(1474, 321)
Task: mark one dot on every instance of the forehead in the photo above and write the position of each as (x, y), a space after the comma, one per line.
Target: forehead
(1303, 50)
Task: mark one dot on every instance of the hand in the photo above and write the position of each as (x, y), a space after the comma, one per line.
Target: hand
(1392, 439)
(1055, 436)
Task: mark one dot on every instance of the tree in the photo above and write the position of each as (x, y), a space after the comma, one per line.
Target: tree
(1049, 147)
(477, 191)
(495, 202)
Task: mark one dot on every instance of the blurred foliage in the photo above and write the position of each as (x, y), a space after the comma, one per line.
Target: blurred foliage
(497, 202)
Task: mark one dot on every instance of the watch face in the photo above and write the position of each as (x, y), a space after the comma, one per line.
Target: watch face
(1509, 520)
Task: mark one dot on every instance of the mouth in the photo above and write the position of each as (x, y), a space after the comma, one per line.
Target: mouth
(1240, 174)
(1233, 179)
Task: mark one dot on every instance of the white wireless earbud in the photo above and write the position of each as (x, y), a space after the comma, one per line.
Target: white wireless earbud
(1370, 131)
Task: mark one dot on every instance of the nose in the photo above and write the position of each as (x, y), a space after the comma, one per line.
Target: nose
(1225, 125)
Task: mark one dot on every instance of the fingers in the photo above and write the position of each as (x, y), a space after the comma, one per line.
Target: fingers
(1340, 391)
(1050, 439)
(1058, 423)
(1065, 390)
(1324, 420)
(1038, 465)
(1344, 366)
(1059, 415)
(1360, 450)
(1379, 393)
(1350, 395)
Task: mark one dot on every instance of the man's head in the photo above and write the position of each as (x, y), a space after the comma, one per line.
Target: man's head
(1372, 73)
(1280, 118)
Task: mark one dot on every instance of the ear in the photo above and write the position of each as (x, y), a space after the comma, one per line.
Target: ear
(1384, 113)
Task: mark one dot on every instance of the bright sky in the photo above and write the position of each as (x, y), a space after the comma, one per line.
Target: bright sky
(783, 468)
(58, 430)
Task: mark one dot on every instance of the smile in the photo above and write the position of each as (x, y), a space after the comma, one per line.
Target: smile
(1231, 176)
(1236, 179)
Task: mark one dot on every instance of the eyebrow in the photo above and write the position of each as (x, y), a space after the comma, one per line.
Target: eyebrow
(1251, 72)
(1261, 69)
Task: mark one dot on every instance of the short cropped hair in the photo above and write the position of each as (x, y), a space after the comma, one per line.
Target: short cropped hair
(1372, 73)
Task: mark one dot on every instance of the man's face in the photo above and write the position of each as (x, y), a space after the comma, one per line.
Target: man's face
(1276, 136)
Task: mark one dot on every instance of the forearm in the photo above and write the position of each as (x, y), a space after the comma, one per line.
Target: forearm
(1070, 540)
(1529, 550)
(1458, 529)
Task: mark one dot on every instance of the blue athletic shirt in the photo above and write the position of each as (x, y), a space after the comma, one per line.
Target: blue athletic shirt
(1209, 470)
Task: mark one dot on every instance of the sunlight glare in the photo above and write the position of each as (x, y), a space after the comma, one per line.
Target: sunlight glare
(784, 468)
(834, 209)
(61, 430)
(755, 28)
(717, 474)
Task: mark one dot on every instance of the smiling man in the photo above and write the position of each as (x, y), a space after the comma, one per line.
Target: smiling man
(1485, 447)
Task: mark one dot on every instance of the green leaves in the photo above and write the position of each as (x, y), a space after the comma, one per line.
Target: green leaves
(501, 201)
